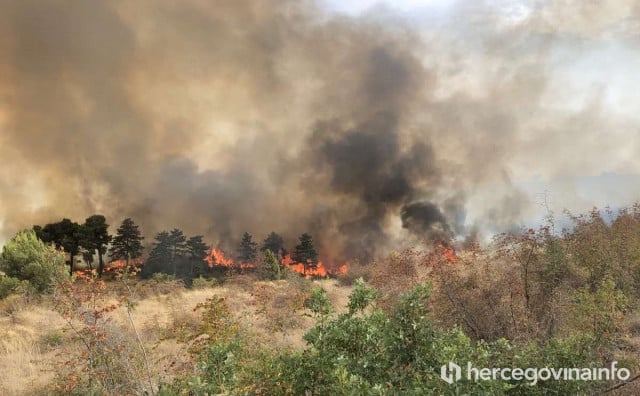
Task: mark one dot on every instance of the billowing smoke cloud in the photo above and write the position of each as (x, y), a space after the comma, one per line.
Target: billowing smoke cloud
(231, 116)
(427, 218)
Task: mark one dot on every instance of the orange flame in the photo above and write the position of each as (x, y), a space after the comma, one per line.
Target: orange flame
(343, 269)
(217, 257)
(287, 260)
(120, 264)
(319, 270)
(450, 255)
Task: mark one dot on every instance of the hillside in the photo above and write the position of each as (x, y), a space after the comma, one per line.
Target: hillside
(37, 341)
(537, 299)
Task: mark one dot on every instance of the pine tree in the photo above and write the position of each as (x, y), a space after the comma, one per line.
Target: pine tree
(305, 253)
(95, 237)
(65, 234)
(159, 256)
(127, 244)
(275, 243)
(196, 248)
(161, 247)
(178, 243)
(247, 249)
(197, 252)
(169, 249)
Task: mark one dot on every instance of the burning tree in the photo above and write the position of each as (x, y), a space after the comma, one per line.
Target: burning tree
(197, 252)
(96, 237)
(305, 253)
(127, 244)
(175, 254)
(247, 250)
(275, 244)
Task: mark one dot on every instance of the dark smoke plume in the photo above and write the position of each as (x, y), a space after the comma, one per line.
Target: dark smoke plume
(425, 217)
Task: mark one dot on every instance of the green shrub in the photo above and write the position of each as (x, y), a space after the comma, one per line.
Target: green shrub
(203, 283)
(9, 285)
(25, 257)
(162, 277)
(53, 338)
(368, 351)
(271, 266)
(600, 312)
(318, 302)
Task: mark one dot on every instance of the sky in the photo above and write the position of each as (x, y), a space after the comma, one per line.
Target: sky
(371, 125)
(355, 7)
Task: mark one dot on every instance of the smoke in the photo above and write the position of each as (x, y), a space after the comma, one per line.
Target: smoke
(365, 131)
(425, 217)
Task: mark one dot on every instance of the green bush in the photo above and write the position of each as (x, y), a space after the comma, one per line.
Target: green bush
(271, 266)
(162, 277)
(600, 312)
(203, 283)
(9, 285)
(51, 339)
(367, 351)
(25, 257)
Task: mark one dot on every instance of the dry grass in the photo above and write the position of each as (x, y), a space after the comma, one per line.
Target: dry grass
(36, 339)
(26, 362)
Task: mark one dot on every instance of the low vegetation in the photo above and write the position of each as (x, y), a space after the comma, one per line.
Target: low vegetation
(538, 298)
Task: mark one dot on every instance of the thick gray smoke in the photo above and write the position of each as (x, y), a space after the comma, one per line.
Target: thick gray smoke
(425, 217)
(231, 116)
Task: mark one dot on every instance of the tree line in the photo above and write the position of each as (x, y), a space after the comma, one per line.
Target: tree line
(172, 252)
(92, 238)
(304, 252)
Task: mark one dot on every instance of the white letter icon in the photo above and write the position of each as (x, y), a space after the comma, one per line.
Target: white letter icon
(451, 375)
